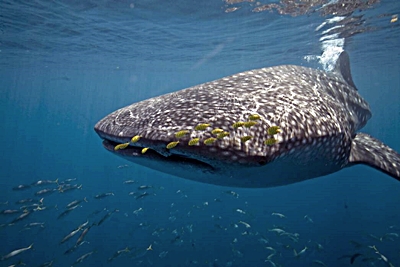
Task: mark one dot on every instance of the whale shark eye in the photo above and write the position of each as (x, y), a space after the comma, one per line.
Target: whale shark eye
(270, 122)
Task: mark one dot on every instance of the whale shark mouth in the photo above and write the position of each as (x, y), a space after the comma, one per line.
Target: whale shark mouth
(162, 156)
(259, 128)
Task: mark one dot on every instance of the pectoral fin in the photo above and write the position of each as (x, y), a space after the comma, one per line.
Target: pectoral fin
(370, 151)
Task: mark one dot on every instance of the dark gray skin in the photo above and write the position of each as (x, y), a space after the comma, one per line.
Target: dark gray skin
(318, 114)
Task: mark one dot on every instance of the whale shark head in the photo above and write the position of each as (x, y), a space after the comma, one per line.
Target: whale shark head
(260, 128)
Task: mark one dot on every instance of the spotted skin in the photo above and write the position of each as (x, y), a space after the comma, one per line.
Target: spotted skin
(368, 150)
(318, 114)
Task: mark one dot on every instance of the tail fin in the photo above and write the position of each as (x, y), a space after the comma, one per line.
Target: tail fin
(370, 151)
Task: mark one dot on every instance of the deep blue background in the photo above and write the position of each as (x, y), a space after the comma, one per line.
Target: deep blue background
(67, 64)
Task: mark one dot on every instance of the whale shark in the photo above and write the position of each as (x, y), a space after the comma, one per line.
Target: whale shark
(260, 128)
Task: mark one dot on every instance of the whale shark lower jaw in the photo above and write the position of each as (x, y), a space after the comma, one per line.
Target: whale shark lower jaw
(224, 173)
(260, 128)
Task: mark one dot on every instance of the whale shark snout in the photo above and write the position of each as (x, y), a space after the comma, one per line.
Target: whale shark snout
(260, 128)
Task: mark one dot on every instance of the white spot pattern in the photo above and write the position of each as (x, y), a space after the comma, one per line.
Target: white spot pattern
(318, 114)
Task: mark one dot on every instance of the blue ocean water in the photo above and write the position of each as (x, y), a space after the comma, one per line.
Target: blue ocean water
(67, 64)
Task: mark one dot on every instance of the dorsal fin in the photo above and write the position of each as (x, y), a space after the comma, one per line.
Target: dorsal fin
(342, 67)
(368, 150)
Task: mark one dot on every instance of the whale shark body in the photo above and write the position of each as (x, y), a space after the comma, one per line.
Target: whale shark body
(260, 128)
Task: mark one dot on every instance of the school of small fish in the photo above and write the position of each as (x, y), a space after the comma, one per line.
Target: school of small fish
(276, 240)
